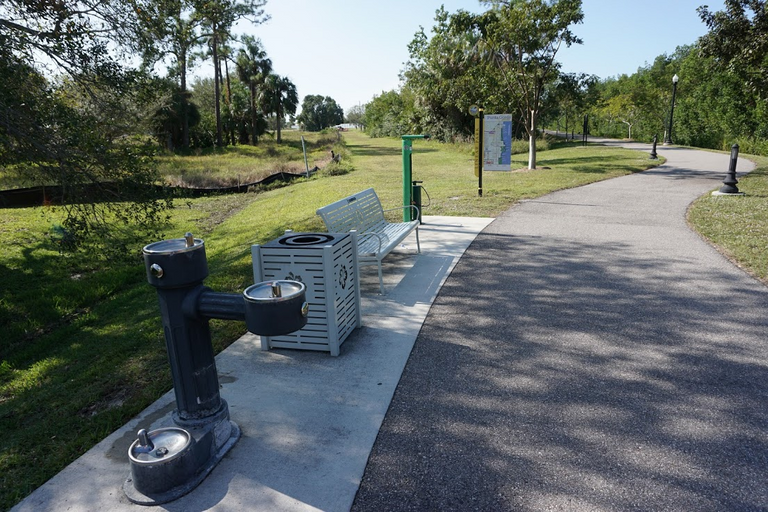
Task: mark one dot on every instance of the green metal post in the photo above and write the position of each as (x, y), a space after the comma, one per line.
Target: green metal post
(407, 149)
(407, 173)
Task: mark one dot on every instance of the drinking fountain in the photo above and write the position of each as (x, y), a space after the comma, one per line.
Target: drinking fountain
(167, 463)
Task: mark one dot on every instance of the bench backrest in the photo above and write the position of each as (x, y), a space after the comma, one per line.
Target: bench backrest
(361, 211)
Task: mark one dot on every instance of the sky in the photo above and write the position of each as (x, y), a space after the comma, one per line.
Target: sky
(352, 50)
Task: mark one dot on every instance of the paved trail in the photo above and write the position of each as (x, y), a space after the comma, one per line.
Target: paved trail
(589, 352)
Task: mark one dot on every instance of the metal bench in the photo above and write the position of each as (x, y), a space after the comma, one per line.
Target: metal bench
(376, 237)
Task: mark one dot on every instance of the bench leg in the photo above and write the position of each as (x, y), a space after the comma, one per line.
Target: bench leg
(381, 280)
(418, 245)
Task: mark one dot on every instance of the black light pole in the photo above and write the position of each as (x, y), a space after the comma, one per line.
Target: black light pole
(668, 140)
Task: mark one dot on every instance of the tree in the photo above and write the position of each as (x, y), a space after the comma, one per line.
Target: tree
(173, 118)
(738, 41)
(717, 107)
(356, 116)
(171, 28)
(218, 17)
(73, 35)
(568, 97)
(390, 114)
(241, 113)
(279, 97)
(253, 68)
(226, 56)
(107, 182)
(522, 38)
(204, 134)
(318, 112)
(623, 109)
(643, 99)
(448, 72)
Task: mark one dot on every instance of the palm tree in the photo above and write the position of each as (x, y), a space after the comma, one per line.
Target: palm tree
(170, 28)
(225, 56)
(218, 17)
(253, 68)
(279, 96)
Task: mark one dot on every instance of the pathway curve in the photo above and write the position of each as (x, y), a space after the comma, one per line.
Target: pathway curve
(588, 352)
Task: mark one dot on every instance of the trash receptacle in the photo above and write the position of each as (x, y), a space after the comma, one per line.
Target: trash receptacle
(327, 264)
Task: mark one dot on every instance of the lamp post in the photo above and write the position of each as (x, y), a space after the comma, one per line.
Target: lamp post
(668, 140)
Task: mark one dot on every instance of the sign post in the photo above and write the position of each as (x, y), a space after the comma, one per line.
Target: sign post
(478, 113)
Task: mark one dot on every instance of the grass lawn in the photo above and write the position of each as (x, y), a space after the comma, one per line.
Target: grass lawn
(224, 167)
(229, 166)
(82, 349)
(450, 181)
(738, 226)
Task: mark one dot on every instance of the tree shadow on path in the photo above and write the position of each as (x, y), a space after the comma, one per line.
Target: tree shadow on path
(579, 377)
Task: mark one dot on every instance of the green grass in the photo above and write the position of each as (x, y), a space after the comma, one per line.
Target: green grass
(738, 226)
(448, 174)
(227, 166)
(82, 349)
(235, 165)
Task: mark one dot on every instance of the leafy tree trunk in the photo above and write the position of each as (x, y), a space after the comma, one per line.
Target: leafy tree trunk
(279, 97)
(218, 17)
(253, 68)
(279, 115)
(254, 117)
(184, 99)
(230, 123)
(216, 87)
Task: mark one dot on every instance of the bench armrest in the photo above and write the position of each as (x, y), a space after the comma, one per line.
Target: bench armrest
(403, 208)
(360, 236)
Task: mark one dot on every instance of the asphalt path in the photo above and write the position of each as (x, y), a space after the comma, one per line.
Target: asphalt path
(588, 352)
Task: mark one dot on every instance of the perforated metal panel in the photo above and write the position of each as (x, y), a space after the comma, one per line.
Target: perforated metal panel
(327, 264)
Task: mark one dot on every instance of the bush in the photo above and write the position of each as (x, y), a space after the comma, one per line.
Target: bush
(520, 146)
(750, 145)
(336, 168)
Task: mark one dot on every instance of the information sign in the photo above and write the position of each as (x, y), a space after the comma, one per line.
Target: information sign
(497, 142)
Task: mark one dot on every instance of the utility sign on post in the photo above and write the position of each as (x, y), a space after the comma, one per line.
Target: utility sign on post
(477, 112)
(497, 142)
(477, 146)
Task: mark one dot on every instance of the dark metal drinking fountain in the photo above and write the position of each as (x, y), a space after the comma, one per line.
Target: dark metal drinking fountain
(167, 463)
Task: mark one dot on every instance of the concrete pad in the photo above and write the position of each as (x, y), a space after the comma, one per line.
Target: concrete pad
(308, 420)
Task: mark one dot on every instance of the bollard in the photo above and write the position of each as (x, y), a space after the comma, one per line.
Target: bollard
(729, 183)
(654, 155)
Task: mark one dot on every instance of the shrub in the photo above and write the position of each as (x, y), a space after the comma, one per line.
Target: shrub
(520, 146)
(336, 168)
(751, 145)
